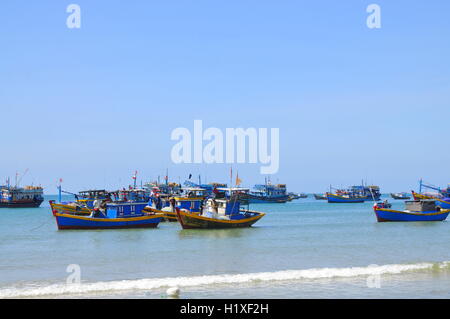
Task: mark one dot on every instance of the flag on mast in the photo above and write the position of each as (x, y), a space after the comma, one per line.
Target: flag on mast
(238, 180)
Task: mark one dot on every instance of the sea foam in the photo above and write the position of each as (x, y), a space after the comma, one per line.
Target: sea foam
(193, 281)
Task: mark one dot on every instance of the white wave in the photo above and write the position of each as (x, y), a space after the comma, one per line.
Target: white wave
(156, 283)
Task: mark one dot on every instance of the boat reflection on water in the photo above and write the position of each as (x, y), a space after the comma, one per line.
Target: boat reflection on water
(214, 233)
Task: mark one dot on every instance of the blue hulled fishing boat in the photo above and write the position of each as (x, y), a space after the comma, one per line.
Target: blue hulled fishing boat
(268, 193)
(344, 198)
(354, 194)
(416, 211)
(115, 215)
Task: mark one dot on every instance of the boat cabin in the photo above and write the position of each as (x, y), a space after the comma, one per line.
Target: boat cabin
(423, 205)
(234, 192)
(217, 208)
(124, 210)
(133, 195)
(191, 200)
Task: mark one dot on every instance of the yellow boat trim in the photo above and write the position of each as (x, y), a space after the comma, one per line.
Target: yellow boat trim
(223, 220)
(109, 219)
(188, 198)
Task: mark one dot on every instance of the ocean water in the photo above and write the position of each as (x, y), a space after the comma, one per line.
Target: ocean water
(302, 249)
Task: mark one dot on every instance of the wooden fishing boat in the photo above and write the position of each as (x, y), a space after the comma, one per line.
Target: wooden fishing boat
(218, 213)
(416, 210)
(116, 215)
(344, 198)
(402, 196)
(320, 196)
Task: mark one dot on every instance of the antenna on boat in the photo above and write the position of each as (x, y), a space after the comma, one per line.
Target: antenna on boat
(60, 191)
(373, 197)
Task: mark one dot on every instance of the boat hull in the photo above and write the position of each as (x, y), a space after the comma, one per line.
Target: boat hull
(68, 221)
(390, 215)
(340, 199)
(21, 204)
(252, 199)
(167, 216)
(194, 221)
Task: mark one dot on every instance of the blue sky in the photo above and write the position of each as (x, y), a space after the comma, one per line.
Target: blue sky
(92, 105)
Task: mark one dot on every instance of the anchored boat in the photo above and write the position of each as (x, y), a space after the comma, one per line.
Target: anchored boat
(320, 196)
(116, 215)
(344, 198)
(25, 197)
(218, 213)
(416, 210)
(403, 196)
(268, 193)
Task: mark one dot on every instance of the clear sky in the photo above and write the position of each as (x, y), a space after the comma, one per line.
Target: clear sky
(94, 104)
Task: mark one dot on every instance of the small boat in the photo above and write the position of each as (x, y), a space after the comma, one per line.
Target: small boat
(116, 215)
(344, 198)
(218, 213)
(320, 196)
(416, 211)
(403, 196)
(369, 193)
(293, 196)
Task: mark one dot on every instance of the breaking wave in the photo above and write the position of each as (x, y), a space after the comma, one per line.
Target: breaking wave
(193, 281)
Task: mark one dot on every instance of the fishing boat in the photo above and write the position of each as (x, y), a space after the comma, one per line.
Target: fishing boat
(320, 196)
(436, 192)
(344, 198)
(21, 197)
(440, 195)
(403, 196)
(416, 211)
(268, 193)
(116, 215)
(293, 196)
(369, 193)
(218, 213)
(84, 200)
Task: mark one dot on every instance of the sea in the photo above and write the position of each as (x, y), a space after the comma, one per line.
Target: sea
(306, 248)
